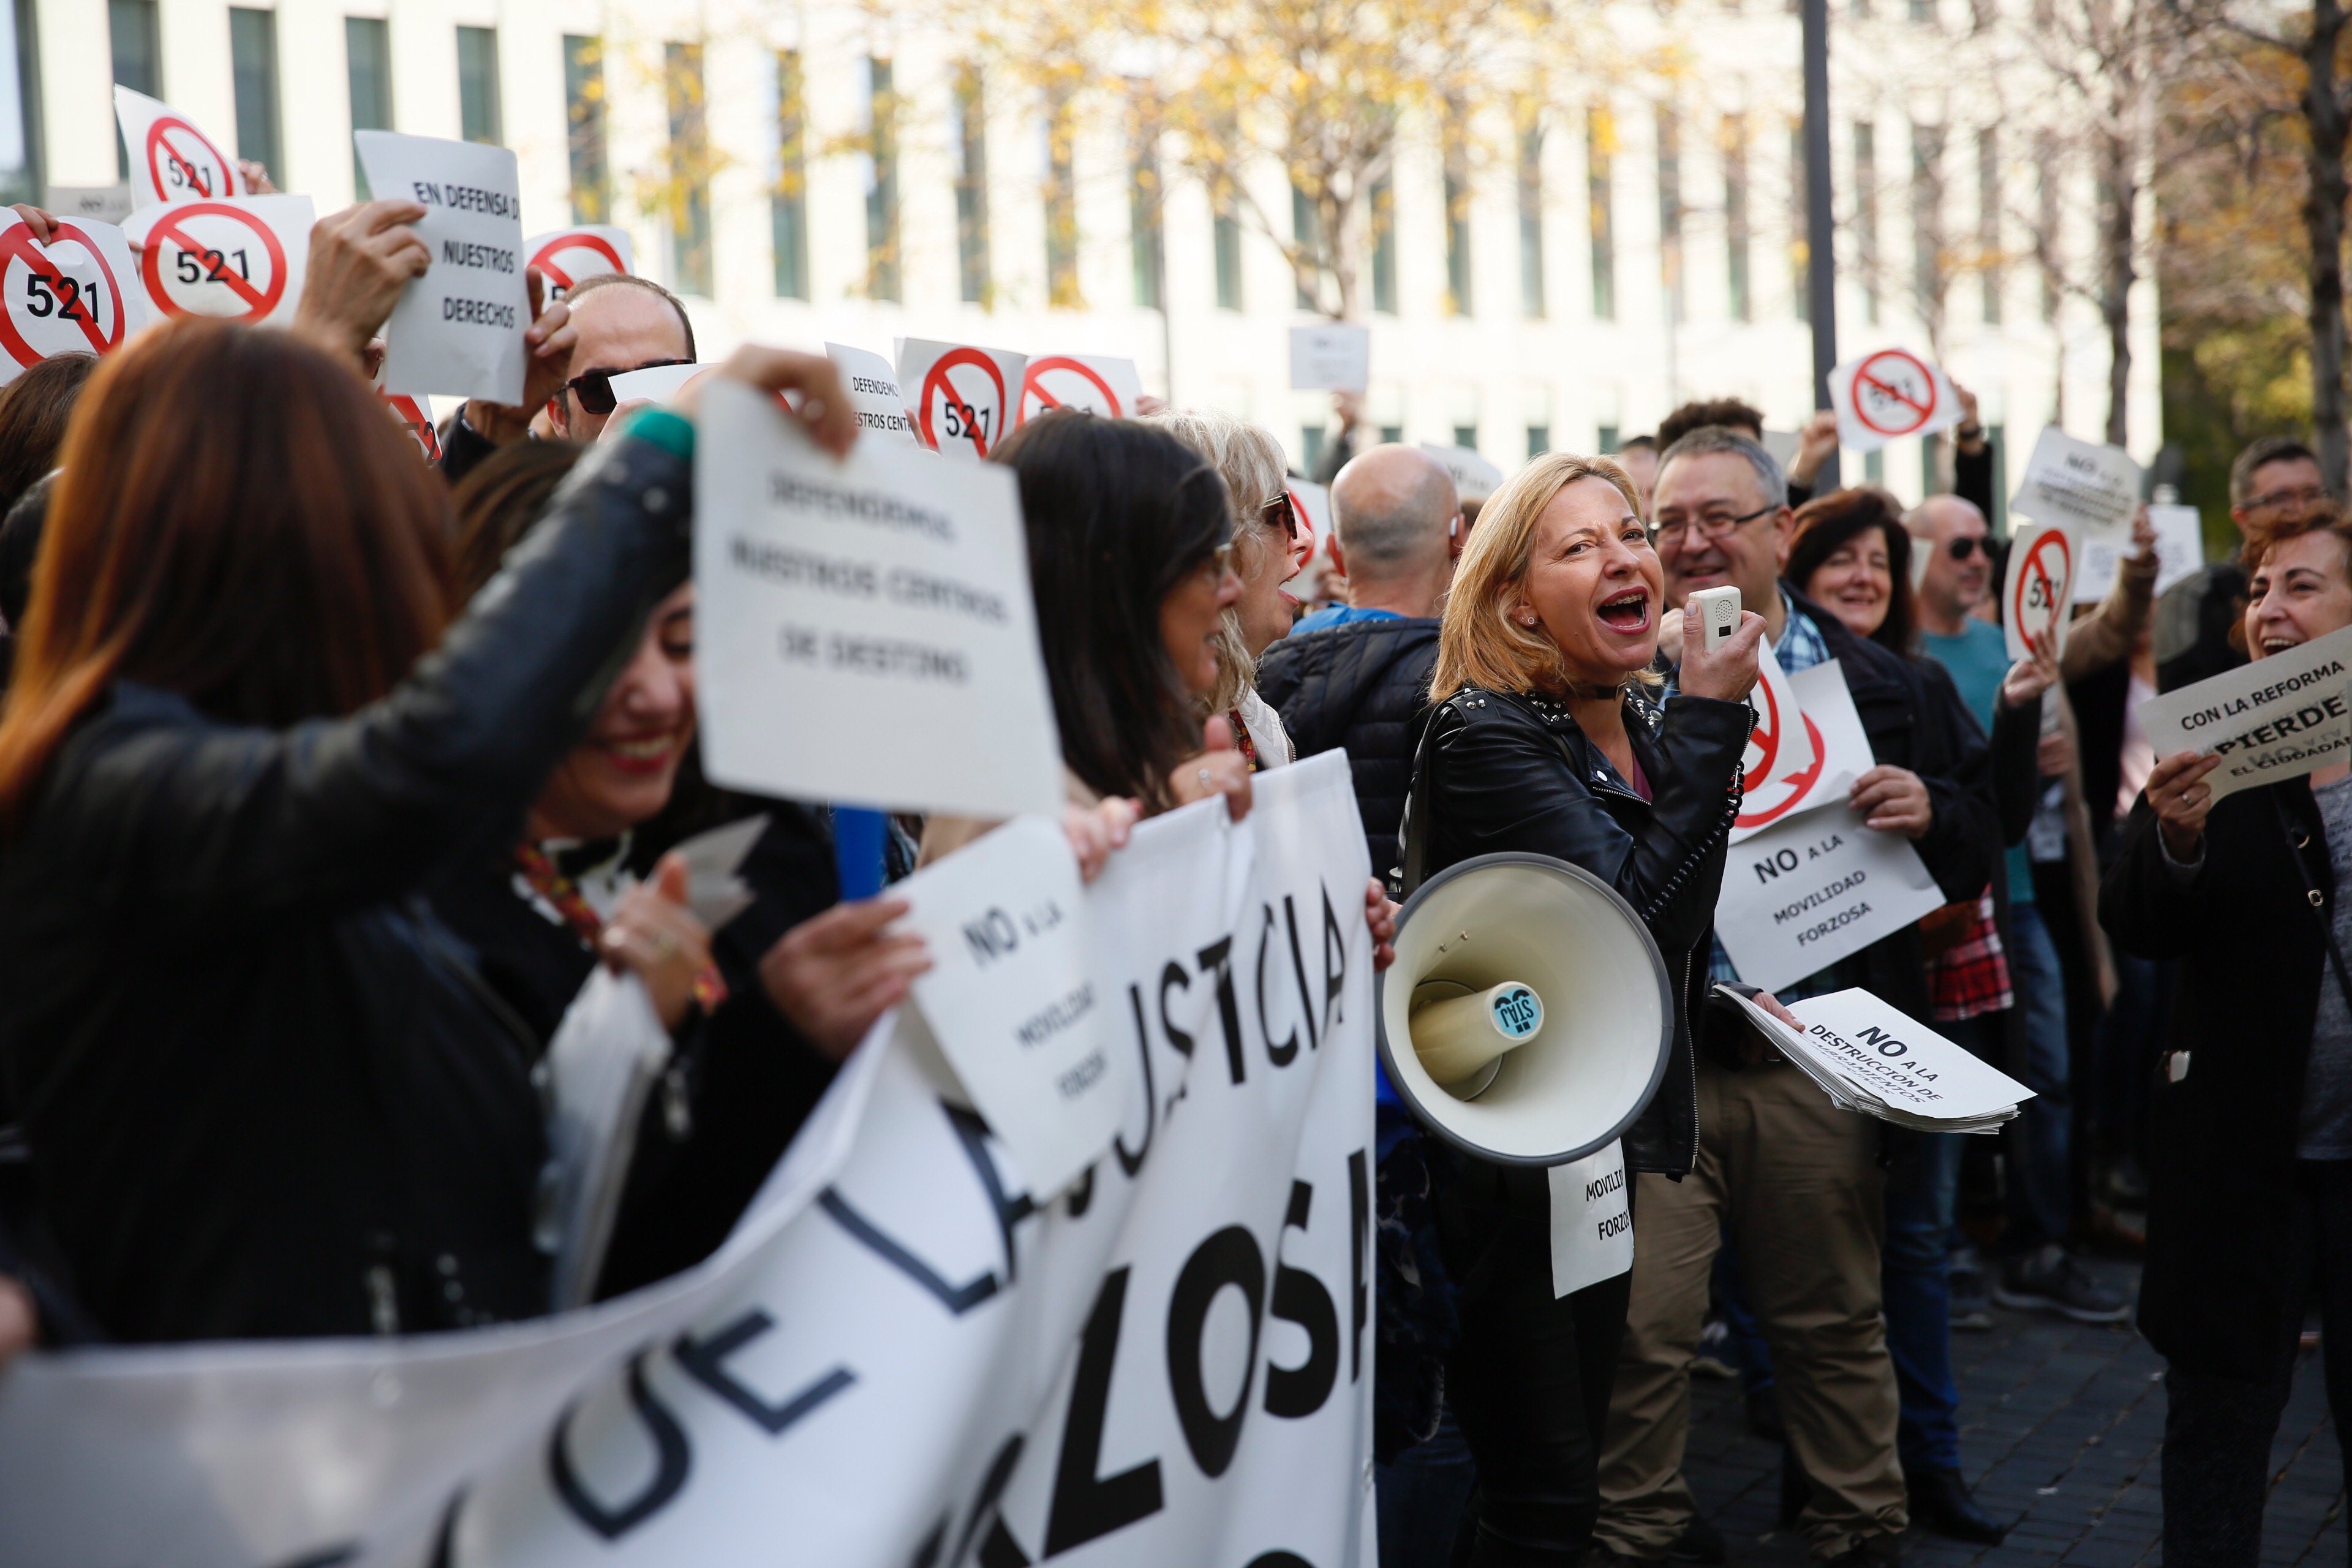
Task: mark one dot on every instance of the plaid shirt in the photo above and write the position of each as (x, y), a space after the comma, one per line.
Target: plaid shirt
(1972, 977)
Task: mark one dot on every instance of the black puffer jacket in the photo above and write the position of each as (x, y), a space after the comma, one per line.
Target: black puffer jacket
(1514, 773)
(1362, 688)
(264, 1093)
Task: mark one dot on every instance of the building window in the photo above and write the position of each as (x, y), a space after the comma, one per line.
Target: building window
(1873, 465)
(1989, 269)
(583, 114)
(252, 65)
(1670, 209)
(1923, 10)
(1391, 433)
(137, 58)
(1865, 215)
(1062, 202)
(1226, 236)
(1539, 441)
(479, 117)
(788, 193)
(367, 61)
(1147, 237)
(1384, 217)
(1467, 437)
(1532, 205)
(1928, 220)
(1605, 437)
(968, 132)
(20, 103)
(1800, 241)
(1310, 446)
(1735, 217)
(881, 182)
(1599, 147)
(1458, 299)
(689, 169)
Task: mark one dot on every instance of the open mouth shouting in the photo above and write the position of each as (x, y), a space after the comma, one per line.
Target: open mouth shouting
(1626, 613)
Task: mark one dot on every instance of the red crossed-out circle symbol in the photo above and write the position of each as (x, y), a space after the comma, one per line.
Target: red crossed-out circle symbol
(1893, 392)
(1033, 387)
(211, 264)
(180, 158)
(1800, 786)
(417, 424)
(2036, 607)
(543, 260)
(52, 293)
(1766, 736)
(964, 420)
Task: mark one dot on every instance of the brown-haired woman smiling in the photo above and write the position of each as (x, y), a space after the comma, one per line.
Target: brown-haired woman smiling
(1546, 739)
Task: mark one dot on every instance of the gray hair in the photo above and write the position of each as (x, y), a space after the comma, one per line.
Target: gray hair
(1709, 439)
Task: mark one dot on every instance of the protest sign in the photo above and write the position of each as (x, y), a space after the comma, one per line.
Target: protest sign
(2179, 552)
(1780, 745)
(2277, 718)
(2094, 488)
(569, 256)
(1872, 1059)
(1592, 1220)
(171, 160)
(1099, 384)
(418, 420)
(903, 1354)
(1890, 395)
(655, 384)
(241, 259)
(1334, 357)
(77, 294)
(873, 392)
(965, 398)
(1008, 999)
(864, 630)
(1475, 479)
(1802, 895)
(1314, 504)
(458, 328)
(2037, 589)
(99, 204)
(1840, 752)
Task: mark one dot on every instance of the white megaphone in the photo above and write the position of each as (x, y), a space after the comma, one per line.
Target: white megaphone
(1527, 1017)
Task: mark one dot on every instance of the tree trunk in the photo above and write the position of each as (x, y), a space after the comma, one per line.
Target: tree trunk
(2323, 218)
(2118, 232)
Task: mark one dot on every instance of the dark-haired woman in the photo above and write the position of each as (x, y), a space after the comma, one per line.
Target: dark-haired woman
(264, 1095)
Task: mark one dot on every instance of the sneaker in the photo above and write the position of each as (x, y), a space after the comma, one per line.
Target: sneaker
(1971, 1307)
(2048, 1281)
(1715, 1353)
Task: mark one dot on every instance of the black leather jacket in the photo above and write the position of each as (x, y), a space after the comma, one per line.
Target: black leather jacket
(264, 1093)
(1363, 688)
(1500, 780)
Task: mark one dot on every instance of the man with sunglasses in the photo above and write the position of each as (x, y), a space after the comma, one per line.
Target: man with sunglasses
(621, 324)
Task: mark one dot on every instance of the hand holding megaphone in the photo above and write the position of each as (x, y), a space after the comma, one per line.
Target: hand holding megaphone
(1727, 671)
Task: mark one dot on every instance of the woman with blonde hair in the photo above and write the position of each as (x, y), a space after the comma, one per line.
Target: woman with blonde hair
(1547, 738)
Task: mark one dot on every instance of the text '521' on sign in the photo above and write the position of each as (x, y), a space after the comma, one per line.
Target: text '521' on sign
(458, 328)
(241, 259)
(865, 631)
(77, 294)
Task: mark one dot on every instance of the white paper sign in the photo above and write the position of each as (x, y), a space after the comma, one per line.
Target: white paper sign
(1890, 395)
(2277, 718)
(2037, 591)
(1008, 999)
(863, 628)
(1333, 356)
(2094, 487)
(77, 294)
(171, 160)
(1874, 1059)
(1780, 746)
(873, 392)
(1837, 747)
(965, 399)
(101, 204)
(1094, 382)
(655, 384)
(903, 1354)
(1799, 897)
(458, 328)
(1592, 1220)
(1475, 479)
(568, 255)
(2179, 553)
(240, 259)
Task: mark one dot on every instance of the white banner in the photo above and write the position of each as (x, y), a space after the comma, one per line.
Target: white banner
(241, 259)
(905, 1355)
(458, 328)
(2277, 718)
(2094, 487)
(1802, 895)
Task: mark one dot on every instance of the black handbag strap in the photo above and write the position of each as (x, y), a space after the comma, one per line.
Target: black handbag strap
(2317, 898)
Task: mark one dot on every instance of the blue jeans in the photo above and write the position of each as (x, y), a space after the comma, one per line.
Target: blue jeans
(2041, 1185)
(1420, 1497)
(1915, 1282)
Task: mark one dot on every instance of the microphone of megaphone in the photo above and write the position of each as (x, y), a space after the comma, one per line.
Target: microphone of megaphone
(1528, 1016)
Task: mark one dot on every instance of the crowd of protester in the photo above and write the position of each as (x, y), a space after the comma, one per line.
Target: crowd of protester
(363, 769)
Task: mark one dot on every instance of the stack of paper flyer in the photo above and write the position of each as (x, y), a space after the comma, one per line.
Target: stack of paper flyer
(1867, 1056)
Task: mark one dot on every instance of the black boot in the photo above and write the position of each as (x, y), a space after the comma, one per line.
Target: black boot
(1940, 1502)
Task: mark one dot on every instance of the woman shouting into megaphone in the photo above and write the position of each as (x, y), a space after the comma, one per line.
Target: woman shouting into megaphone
(1546, 739)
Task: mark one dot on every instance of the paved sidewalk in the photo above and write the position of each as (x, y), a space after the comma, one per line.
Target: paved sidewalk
(2060, 1429)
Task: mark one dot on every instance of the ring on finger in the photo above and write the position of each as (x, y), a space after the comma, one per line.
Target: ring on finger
(1208, 781)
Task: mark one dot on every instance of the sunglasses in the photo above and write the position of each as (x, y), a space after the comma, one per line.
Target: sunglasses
(594, 388)
(1281, 510)
(1961, 549)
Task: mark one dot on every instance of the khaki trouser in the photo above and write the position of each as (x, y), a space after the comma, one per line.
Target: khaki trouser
(1795, 1181)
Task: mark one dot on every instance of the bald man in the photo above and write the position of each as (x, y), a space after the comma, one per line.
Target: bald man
(1356, 676)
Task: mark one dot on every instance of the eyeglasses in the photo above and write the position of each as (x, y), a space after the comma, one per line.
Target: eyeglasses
(1711, 525)
(2301, 495)
(594, 388)
(1281, 510)
(1219, 561)
(1961, 549)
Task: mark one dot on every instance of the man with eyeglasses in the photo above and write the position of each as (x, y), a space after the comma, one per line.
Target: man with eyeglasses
(1795, 1181)
(2275, 480)
(622, 323)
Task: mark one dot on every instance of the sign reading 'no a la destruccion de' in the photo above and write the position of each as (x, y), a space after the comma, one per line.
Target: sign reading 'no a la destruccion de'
(864, 626)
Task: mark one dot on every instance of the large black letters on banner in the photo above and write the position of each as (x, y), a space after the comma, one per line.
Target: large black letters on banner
(1335, 962)
(1219, 955)
(1298, 968)
(1359, 1243)
(1228, 1258)
(1085, 1506)
(1299, 1297)
(672, 1461)
(705, 1362)
(1278, 1052)
(1132, 1162)
(972, 1133)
